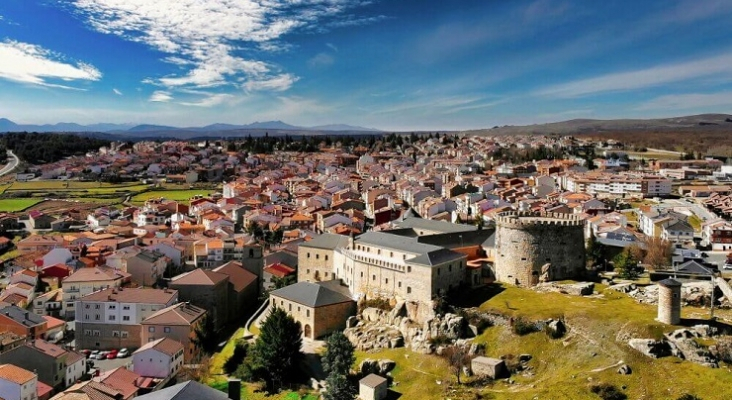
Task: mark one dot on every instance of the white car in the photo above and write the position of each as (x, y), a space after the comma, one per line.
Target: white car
(727, 266)
(122, 353)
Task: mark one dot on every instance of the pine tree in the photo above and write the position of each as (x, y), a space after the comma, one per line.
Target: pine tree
(626, 263)
(337, 387)
(339, 354)
(276, 352)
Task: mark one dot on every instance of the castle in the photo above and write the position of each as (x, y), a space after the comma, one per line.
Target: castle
(532, 248)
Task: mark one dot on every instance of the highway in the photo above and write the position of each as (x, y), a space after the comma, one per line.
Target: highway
(13, 162)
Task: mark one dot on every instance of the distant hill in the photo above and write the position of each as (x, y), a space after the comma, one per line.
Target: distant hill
(149, 130)
(577, 126)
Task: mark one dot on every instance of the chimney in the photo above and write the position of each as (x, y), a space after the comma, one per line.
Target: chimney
(234, 389)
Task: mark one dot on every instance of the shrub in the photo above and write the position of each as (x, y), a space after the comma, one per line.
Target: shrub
(688, 396)
(607, 391)
(522, 326)
(380, 303)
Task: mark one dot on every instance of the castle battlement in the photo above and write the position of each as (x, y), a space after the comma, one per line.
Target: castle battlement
(528, 219)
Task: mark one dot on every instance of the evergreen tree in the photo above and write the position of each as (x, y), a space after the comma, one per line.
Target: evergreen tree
(626, 263)
(276, 352)
(337, 387)
(339, 354)
(205, 335)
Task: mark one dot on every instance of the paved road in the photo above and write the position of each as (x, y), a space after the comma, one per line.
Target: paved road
(11, 165)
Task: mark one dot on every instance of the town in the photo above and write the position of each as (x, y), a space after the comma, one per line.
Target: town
(439, 262)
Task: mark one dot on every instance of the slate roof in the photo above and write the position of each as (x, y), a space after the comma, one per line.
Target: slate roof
(22, 316)
(435, 226)
(327, 241)
(669, 282)
(693, 267)
(190, 390)
(310, 295)
(435, 257)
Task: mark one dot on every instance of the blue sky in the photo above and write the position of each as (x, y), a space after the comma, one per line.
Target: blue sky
(394, 65)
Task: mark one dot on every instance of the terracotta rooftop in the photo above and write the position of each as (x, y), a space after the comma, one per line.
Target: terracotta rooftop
(95, 274)
(179, 314)
(11, 373)
(238, 276)
(199, 277)
(121, 379)
(164, 345)
(133, 295)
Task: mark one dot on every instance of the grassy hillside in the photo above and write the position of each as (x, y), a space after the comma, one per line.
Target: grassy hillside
(565, 368)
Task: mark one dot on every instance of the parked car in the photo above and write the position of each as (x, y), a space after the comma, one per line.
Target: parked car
(111, 355)
(101, 355)
(727, 266)
(123, 352)
(86, 352)
(93, 354)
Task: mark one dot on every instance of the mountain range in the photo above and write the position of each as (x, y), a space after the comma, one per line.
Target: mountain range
(7, 125)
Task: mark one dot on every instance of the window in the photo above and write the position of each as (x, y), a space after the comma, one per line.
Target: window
(438, 272)
(386, 281)
(123, 334)
(87, 332)
(449, 268)
(400, 284)
(409, 289)
(125, 307)
(409, 269)
(308, 255)
(112, 306)
(97, 306)
(151, 329)
(86, 305)
(115, 333)
(96, 317)
(86, 316)
(112, 317)
(326, 258)
(373, 277)
(290, 307)
(307, 313)
(166, 329)
(96, 333)
(391, 254)
(126, 318)
(317, 256)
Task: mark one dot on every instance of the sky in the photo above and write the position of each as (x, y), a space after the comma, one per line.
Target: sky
(390, 64)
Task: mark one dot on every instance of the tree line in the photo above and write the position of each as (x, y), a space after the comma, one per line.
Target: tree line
(42, 148)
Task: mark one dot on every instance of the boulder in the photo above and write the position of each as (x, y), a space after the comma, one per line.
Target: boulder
(386, 365)
(369, 366)
(625, 370)
(651, 348)
(580, 288)
(557, 327)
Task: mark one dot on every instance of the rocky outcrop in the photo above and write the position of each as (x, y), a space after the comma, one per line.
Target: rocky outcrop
(378, 329)
(651, 348)
(692, 293)
(378, 367)
(680, 343)
(576, 289)
(625, 370)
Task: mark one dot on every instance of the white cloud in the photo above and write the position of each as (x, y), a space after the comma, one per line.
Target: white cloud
(278, 83)
(117, 92)
(210, 101)
(321, 60)
(207, 37)
(688, 101)
(161, 96)
(28, 63)
(644, 78)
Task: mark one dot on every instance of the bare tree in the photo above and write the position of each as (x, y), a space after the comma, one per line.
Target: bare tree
(457, 357)
(658, 252)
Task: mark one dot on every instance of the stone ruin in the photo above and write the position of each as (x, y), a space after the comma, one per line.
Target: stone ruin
(696, 293)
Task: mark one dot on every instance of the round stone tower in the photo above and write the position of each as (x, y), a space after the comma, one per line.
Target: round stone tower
(531, 247)
(669, 301)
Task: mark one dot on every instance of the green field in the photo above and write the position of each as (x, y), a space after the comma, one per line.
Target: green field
(178, 195)
(12, 205)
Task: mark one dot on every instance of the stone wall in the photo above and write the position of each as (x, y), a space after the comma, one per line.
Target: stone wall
(525, 242)
(314, 265)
